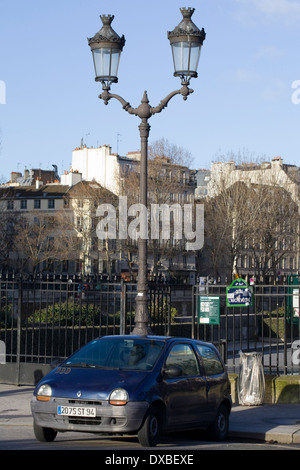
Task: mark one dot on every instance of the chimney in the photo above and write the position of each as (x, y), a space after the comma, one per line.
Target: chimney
(38, 183)
(14, 175)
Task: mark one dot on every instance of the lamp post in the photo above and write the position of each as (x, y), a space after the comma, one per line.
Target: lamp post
(186, 41)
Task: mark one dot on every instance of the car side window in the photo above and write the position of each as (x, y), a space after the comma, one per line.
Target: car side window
(182, 355)
(211, 361)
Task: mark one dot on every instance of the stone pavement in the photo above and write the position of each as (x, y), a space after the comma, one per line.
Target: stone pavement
(280, 422)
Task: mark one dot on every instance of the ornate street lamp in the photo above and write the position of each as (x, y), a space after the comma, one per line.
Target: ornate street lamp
(106, 47)
(186, 41)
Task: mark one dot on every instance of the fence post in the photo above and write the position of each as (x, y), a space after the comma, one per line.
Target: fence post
(123, 308)
(193, 310)
(19, 331)
(168, 332)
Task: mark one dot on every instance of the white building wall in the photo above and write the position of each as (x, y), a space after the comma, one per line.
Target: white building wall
(224, 175)
(97, 164)
(70, 178)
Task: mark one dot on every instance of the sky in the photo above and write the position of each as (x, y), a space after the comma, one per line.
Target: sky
(246, 98)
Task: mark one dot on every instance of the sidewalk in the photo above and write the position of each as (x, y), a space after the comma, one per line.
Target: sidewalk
(279, 423)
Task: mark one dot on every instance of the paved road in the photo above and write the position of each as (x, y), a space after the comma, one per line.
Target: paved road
(278, 425)
(22, 438)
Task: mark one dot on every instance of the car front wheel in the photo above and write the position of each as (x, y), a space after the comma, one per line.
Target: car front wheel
(149, 433)
(44, 434)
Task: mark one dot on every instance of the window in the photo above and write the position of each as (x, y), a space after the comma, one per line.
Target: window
(37, 204)
(10, 205)
(23, 204)
(51, 203)
(183, 356)
(211, 361)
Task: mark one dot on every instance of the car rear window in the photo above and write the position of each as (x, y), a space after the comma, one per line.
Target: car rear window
(211, 361)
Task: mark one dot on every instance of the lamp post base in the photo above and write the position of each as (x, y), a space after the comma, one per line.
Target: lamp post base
(142, 316)
(141, 330)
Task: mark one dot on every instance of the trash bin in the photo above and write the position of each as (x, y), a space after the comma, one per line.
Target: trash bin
(251, 386)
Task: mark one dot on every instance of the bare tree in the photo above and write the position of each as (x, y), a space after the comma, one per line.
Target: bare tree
(177, 155)
(273, 239)
(227, 219)
(253, 222)
(36, 241)
(82, 201)
(168, 184)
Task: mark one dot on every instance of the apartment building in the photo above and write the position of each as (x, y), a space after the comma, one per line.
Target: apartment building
(70, 201)
(257, 206)
(100, 165)
(168, 183)
(29, 226)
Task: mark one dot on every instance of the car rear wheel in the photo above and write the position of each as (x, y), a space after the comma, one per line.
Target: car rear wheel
(219, 429)
(149, 433)
(44, 434)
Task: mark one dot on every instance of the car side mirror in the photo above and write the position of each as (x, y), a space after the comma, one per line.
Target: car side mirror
(172, 371)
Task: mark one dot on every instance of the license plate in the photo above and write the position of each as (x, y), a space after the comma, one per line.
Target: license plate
(85, 411)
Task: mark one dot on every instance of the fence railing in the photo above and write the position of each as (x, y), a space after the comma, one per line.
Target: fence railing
(270, 326)
(46, 320)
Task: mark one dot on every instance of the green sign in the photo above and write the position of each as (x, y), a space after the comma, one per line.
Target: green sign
(239, 294)
(209, 310)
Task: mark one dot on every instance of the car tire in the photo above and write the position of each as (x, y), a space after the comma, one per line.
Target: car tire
(149, 434)
(44, 434)
(220, 426)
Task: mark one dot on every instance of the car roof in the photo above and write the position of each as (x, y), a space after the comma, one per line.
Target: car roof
(166, 339)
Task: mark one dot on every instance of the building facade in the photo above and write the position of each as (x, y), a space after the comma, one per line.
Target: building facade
(256, 210)
(251, 217)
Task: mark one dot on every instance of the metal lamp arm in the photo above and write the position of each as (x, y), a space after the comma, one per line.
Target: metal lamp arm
(144, 110)
(106, 96)
(184, 91)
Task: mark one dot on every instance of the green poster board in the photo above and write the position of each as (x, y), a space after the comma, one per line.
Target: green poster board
(239, 294)
(209, 310)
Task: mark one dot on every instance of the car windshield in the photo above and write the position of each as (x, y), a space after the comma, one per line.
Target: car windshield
(118, 353)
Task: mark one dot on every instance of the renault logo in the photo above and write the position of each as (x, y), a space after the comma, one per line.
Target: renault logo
(79, 394)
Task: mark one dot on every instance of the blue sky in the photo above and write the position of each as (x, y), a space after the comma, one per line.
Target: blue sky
(242, 99)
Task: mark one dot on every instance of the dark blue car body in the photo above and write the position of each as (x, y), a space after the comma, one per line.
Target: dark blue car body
(130, 384)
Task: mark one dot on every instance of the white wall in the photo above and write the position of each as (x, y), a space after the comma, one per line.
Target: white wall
(97, 164)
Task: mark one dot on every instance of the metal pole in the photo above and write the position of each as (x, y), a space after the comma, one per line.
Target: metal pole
(19, 333)
(142, 314)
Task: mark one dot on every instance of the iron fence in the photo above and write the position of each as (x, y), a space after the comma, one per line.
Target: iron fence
(269, 326)
(44, 320)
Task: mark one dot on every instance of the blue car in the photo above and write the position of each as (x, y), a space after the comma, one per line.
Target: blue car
(135, 385)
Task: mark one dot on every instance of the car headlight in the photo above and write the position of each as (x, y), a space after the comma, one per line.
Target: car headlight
(118, 397)
(44, 393)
